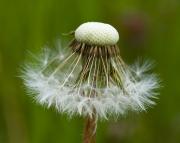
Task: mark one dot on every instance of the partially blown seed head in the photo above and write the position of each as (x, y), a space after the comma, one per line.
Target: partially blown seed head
(91, 78)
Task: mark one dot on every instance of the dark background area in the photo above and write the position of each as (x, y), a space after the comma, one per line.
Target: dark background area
(149, 29)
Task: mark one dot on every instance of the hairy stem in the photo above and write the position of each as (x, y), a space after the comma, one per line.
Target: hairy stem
(90, 130)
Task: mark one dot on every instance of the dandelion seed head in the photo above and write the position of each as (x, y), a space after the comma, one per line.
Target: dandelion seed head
(91, 79)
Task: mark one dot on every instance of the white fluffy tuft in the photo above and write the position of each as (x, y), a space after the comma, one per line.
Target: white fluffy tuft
(52, 80)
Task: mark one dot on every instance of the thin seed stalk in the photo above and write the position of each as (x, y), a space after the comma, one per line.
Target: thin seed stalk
(90, 122)
(96, 71)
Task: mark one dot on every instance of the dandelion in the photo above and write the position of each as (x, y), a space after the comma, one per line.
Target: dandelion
(89, 78)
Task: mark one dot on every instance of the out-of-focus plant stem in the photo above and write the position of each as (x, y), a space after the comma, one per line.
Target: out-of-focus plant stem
(90, 130)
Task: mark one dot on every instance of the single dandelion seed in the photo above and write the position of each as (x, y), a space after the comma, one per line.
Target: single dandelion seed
(91, 79)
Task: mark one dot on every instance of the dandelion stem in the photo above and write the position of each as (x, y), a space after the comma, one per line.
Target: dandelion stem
(90, 130)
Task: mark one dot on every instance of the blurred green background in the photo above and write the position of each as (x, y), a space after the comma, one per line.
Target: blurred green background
(148, 29)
